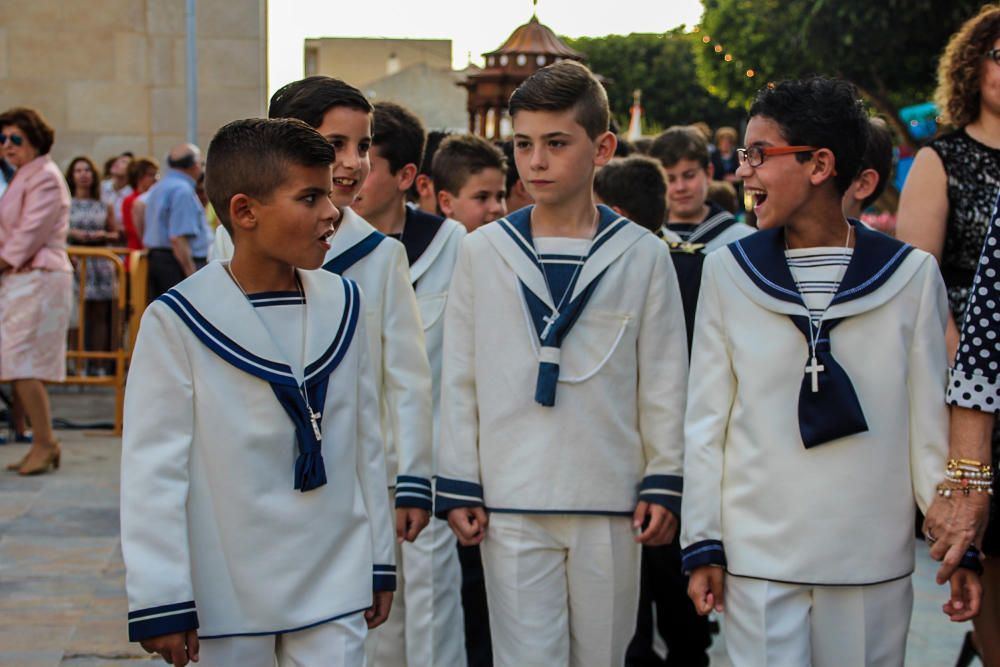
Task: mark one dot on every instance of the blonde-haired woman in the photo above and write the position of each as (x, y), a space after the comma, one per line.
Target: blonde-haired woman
(945, 209)
(35, 278)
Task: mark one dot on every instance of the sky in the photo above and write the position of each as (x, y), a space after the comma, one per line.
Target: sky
(473, 26)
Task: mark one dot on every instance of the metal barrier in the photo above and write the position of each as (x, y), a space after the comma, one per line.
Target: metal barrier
(126, 310)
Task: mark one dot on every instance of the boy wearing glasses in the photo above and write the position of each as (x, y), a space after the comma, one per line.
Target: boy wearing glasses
(816, 413)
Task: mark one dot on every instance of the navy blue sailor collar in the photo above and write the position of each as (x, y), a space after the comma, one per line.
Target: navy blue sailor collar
(511, 237)
(880, 266)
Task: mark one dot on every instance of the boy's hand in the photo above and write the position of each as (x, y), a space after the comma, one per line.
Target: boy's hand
(409, 522)
(706, 588)
(966, 592)
(468, 524)
(662, 524)
(378, 613)
(175, 649)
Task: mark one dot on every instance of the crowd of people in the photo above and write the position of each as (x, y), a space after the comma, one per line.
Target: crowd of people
(423, 399)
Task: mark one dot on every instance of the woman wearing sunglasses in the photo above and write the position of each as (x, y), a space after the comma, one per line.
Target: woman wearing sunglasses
(945, 209)
(35, 278)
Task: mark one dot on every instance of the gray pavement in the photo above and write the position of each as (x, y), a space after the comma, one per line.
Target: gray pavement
(62, 599)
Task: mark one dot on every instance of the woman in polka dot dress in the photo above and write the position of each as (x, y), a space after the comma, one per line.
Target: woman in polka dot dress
(945, 209)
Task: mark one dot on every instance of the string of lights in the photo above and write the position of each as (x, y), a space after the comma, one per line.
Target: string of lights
(728, 57)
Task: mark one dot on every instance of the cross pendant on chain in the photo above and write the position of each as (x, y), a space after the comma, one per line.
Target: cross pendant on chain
(550, 321)
(314, 418)
(815, 368)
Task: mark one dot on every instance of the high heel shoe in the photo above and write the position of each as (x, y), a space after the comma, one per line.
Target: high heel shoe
(14, 467)
(37, 465)
(968, 652)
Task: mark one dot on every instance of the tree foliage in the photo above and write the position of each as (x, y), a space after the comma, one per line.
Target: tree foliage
(663, 66)
(889, 49)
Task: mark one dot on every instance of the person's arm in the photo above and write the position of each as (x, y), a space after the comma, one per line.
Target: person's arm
(181, 246)
(459, 492)
(711, 393)
(139, 217)
(111, 231)
(662, 368)
(922, 217)
(406, 378)
(156, 449)
(44, 210)
(371, 472)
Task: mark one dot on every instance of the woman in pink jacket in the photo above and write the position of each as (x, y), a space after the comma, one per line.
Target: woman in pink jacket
(35, 278)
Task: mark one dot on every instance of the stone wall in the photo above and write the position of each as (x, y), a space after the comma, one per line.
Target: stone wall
(109, 75)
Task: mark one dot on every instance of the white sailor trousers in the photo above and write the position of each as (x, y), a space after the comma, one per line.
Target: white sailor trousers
(338, 643)
(792, 625)
(385, 646)
(562, 590)
(435, 623)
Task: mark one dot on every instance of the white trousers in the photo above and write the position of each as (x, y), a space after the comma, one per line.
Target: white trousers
(337, 643)
(563, 590)
(426, 624)
(435, 623)
(791, 625)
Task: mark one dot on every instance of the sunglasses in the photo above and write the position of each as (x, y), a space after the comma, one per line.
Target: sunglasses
(15, 139)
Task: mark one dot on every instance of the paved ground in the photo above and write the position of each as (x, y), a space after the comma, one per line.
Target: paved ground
(62, 599)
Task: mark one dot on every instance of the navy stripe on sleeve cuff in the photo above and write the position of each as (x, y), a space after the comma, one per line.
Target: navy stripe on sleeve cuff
(452, 493)
(663, 490)
(384, 578)
(414, 492)
(699, 554)
(162, 620)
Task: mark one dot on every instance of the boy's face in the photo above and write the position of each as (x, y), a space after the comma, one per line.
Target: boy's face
(480, 200)
(349, 131)
(381, 190)
(294, 225)
(555, 157)
(781, 186)
(687, 190)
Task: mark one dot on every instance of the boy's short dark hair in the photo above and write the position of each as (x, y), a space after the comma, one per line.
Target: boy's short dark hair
(309, 99)
(460, 156)
(512, 174)
(398, 135)
(878, 156)
(434, 139)
(820, 112)
(250, 157)
(680, 142)
(722, 193)
(634, 184)
(565, 85)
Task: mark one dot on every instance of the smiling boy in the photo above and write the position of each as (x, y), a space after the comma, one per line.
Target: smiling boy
(553, 310)
(815, 420)
(255, 524)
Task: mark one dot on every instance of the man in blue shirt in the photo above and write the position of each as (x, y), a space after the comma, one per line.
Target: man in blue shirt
(176, 230)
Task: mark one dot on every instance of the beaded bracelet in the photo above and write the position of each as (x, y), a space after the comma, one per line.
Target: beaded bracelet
(966, 475)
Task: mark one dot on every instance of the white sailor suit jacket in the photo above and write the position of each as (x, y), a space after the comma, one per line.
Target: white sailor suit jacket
(431, 277)
(610, 431)
(757, 499)
(403, 377)
(214, 531)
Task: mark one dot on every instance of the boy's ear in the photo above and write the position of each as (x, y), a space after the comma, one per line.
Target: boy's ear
(606, 145)
(424, 184)
(824, 166)
(444, 203)
(710, 170)
(241, 212)
(405, 176)
(866, 181)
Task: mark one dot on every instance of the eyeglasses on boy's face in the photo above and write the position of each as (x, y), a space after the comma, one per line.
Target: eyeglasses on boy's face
(15, 139)
(994, 55)
(754, 155)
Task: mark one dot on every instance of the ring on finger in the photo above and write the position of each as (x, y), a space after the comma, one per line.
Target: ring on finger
(930, 538)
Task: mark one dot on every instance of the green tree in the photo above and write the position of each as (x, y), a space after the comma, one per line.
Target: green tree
(663, 67)
(889, 49)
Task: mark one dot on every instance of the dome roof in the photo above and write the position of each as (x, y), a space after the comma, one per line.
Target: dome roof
(534, 38)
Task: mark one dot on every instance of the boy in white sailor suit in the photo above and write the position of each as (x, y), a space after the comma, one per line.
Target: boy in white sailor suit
(562, 392)
(255, 524)
(361, 253)
(814, 415)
